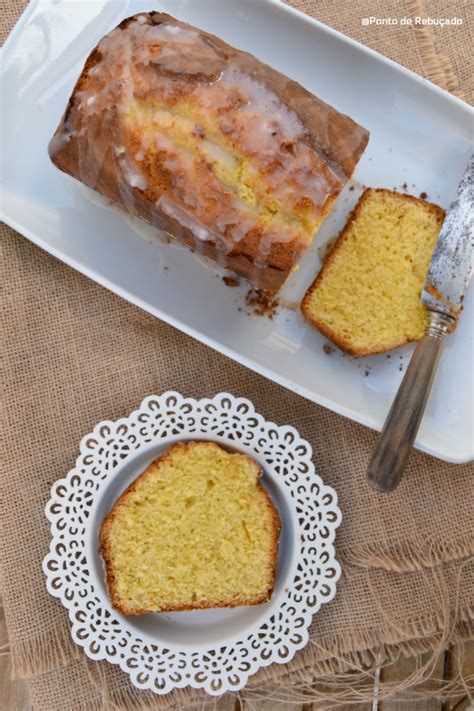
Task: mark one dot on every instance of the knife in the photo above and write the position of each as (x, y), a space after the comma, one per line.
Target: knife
(445, 286)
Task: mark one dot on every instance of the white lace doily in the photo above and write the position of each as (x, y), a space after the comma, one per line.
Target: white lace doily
(216, 650)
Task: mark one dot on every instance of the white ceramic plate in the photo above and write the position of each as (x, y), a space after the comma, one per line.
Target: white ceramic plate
(215, 650)
(420, 135)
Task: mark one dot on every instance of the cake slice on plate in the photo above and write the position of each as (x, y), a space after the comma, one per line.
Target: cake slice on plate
(195, 530)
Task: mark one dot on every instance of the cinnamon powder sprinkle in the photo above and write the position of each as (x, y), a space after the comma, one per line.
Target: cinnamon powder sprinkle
(261, 303)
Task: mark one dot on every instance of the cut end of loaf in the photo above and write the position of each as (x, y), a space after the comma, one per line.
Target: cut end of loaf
(195, 530)
(367, 296)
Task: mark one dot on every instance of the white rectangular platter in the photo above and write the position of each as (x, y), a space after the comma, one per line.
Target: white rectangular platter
(420, 136)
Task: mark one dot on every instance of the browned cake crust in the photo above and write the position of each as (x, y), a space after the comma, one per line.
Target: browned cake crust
(338, 338)
(105, 551)
(85, 146)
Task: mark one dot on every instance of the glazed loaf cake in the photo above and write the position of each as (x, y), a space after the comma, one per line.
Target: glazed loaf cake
(208, 144)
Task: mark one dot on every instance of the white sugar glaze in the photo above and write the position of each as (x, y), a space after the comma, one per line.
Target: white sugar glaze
(185, 220)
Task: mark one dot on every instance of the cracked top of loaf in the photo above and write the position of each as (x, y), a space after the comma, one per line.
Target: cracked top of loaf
(192, 134)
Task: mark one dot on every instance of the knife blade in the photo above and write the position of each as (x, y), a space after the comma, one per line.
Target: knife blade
(451, 264)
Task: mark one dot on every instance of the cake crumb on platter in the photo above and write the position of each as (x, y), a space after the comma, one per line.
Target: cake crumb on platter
(261, 303)
(231, 281)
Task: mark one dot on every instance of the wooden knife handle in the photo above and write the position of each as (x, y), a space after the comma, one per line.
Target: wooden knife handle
(395, 443)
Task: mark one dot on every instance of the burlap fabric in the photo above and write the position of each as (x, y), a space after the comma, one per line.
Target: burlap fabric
(74, 354)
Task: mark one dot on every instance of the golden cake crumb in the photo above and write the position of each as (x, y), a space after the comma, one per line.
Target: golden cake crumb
(366, 298)
(195, 530)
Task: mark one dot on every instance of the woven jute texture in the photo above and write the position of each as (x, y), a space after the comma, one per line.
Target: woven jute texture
(74, 354)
